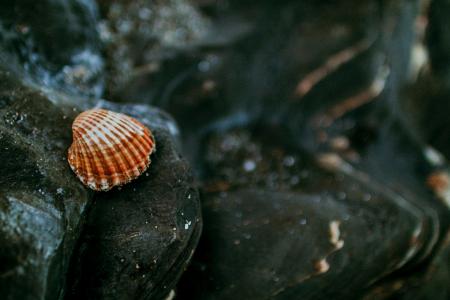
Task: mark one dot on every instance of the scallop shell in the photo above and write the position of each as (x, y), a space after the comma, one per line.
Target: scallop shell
(109, 149)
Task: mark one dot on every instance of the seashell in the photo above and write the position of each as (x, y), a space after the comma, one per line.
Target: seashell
(109, 149)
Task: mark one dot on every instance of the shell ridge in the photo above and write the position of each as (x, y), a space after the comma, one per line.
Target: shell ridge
(128, 125)
(141, 146)
(140, 129)
(133, 124)
(118, 160)
(107, 164)
(129, 159)
(118, 132)
(137, 151)
(85, 168)
(78, 155)
(91, 131)
(113, 177)
(145, 145)
(95, 162)
(107, 126)
(129, 171)
(104, 133)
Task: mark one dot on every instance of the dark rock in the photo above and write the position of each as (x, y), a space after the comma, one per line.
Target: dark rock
(139, 239)
(295, 229)
(426, 105)
(156, 222)
(438, 39)
(142, 40)
(53, 44)
(295, 245)
(429, 282)
(42, 206)
(327, 87)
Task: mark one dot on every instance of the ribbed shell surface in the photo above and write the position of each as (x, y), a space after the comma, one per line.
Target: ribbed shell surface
(109, 149)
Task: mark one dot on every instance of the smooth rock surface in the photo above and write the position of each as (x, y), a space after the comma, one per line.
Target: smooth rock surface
(42, 206)
(426, 107)
(306, 226)
(329, 90)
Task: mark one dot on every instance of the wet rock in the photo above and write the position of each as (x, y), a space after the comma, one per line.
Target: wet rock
(296, 189)
(438, 39)
(139, 239)
(53, 44)
(427, 103)
(392, 160)
(430, 282)
(42, 207)
(290, 245)
(299, 229)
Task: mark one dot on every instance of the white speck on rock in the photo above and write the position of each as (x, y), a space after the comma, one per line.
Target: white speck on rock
(330, 161)
(249, 165)
(322, 266)
(289, 161)
(335, 234)
(171, 295)
(187, 224)
(434, 157)
(173, 129)
(367, 197)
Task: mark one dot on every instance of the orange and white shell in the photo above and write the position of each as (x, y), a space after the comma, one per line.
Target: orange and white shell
(109, 149)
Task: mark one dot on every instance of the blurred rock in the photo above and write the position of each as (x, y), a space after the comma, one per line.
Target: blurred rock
(53, 44)
(438, 39)
(298, 229)
(140, 37)
(426, 105)
(326, 84)
(429, 282)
